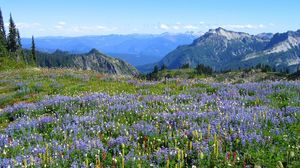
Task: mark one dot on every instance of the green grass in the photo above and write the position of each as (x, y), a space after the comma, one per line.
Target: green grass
(36, 83)
(7, 64)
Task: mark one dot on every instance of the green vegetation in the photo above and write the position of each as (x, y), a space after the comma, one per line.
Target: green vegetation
(11, 53)
(12, 39)
(189, 117)
(184, 72)
(33, 84)
(169, 123)
(10, 64)
(3, 43)
(93, 60)
(33, 51)
(202, 69)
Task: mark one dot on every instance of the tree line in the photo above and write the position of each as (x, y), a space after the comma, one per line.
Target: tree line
(157, 74)
(11, 46)
(202, 69)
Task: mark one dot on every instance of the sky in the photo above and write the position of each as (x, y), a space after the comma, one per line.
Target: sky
(100, 17)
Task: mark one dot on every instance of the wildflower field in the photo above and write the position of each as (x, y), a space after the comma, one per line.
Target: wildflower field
(63, 118)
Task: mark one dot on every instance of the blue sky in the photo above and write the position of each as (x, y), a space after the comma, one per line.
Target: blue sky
(97, 17)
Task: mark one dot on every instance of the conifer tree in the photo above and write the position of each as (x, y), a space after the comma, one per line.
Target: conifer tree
(12, 36)
(3, 42)
(2, 28)
(33, 53)
(155, 70)
(19, 44)
(163, 67)
(20, 53)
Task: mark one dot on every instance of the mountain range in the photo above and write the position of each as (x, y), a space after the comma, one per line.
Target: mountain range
(222, 49)
(93, 60)
(136, 49)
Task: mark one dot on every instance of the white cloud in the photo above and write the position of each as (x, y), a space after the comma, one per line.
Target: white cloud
(178, 26)
(175, 27)
(104, 28)
(58, 27)
(202, 26)
(244, 26)
(190, 27)
(82, 29)
(62, 23)
(101, 27)
(69, 30)
(271, 24)
(261, 26)
(135, 29)
(42, 30)
(27, 25)
(23, 25)
(164, 26)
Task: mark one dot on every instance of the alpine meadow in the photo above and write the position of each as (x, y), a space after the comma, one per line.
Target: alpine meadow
(138, 84)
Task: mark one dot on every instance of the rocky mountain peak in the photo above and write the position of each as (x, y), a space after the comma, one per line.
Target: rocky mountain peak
(282, 42)
(222, 49)
(94, 51)
(265, 36)
(230, 35)
(58, 51)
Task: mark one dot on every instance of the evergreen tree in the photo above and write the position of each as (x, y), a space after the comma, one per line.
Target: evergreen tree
(287, 71)
(33, 53)
(154, 74)
(163, 67)
(185, 66)
(20, 53)
(274, 69)
(12, 36)
(2, 30)
(155, 70)
(19, 44)
(202, 69)
(3, 43)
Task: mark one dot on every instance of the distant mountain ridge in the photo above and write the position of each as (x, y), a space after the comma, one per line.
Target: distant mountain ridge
(223, 50)
(136, 49)
(93, 60)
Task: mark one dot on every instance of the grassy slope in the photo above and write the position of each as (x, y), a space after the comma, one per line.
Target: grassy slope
(228, 77)
(7, 64)
(28, 84)
(33, 84)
